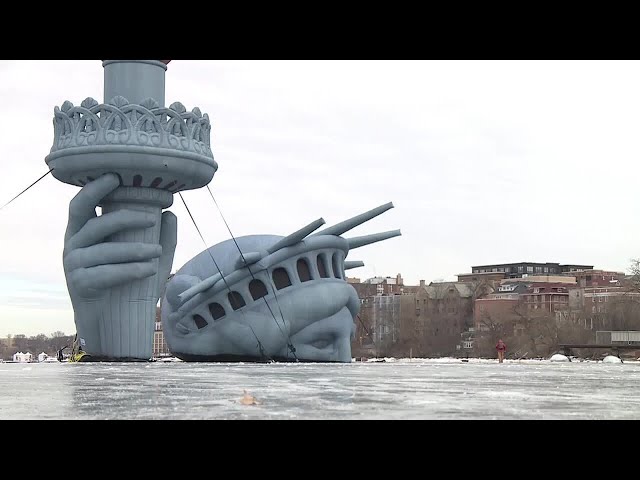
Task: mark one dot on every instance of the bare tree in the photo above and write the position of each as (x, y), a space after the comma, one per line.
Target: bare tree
(623, 313)
(20, 342)
(538, 329)
(35, 345)
(490, 329)
(635, 274)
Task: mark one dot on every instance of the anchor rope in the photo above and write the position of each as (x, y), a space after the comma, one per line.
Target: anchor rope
(260, 346)
(26, 189)
(292, 349)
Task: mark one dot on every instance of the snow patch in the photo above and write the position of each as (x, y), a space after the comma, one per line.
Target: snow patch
(611, 359)
(558, 357)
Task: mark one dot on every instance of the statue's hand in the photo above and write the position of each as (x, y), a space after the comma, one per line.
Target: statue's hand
(93, 265)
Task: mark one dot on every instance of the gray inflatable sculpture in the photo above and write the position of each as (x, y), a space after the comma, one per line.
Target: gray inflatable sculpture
(130, 154)
(282, 298)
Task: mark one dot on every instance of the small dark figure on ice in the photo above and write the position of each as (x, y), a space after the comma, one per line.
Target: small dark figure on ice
(501, 347)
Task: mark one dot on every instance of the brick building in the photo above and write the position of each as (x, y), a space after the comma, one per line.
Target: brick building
(498, 307)
(546, 298)
(519, 300)
(598, 302)
(598, 278)
(436, 316)
(427, 322)
(492, 278)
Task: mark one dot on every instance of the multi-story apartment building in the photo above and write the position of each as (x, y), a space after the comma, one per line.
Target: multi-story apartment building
(546, 298)
(515, 270)
(379, 286)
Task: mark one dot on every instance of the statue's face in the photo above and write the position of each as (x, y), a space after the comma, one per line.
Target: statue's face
(313, 306)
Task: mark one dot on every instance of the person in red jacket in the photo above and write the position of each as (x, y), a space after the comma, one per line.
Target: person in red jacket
(501, 347)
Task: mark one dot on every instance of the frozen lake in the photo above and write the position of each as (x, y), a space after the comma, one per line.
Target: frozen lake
(418, 389)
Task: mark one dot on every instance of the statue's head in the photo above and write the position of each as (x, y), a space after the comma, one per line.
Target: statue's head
(281, 292)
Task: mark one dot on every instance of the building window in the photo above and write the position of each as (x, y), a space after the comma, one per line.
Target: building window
(546, 269)
(200, 322)
(216, 310)
(303, 270)
(529, 269)
(257, 289)
(281, 278)
(236, 300)
(321, 267)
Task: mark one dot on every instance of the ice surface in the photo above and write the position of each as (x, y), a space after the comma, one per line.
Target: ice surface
(394, 389)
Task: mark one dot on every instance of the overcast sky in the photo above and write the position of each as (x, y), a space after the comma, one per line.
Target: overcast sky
(485, 162)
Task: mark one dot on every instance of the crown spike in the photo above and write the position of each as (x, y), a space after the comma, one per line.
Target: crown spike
(357, 242)
(353, 222)
(348, 265)
(248, 259)
(206, 284)
(297, 236)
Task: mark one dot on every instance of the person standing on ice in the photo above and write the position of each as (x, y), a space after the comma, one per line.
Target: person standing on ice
(501, 347)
